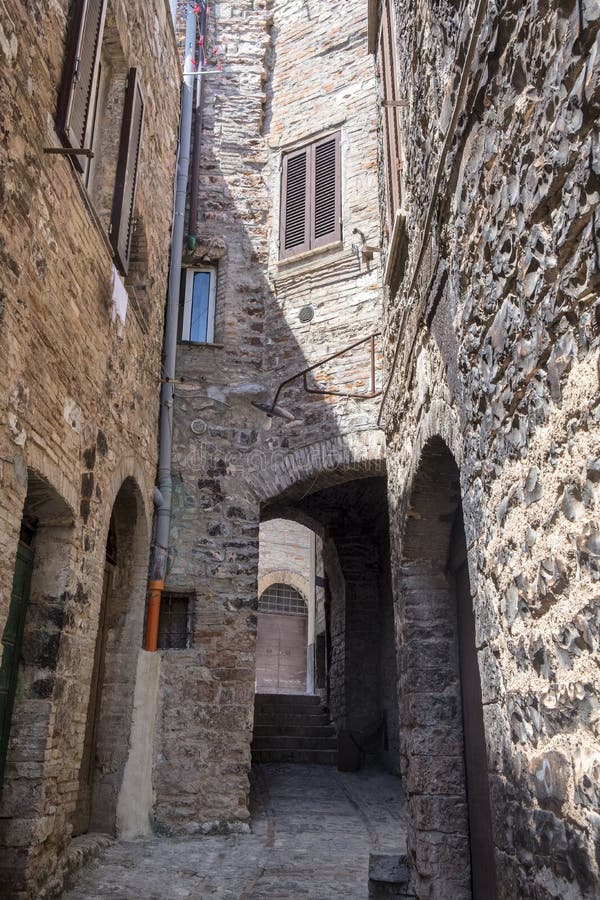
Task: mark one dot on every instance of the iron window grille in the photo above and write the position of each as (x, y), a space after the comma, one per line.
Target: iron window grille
(175, 623)
(284, 599)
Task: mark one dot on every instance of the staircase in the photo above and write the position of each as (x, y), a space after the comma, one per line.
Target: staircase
(292, 728)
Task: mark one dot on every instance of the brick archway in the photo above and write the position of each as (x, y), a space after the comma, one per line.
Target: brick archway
(285, 476)
(120, 629)
(284, 576)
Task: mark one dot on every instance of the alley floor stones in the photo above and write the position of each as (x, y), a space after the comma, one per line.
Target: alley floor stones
(313, 829)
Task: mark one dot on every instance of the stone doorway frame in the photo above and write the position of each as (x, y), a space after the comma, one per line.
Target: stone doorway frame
(435, 627)
(119, 635)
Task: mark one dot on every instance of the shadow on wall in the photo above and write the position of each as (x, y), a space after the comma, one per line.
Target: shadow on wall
(226, 461)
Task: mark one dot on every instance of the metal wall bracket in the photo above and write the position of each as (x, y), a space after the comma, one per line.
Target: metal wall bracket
(373, 392)
(70, 151)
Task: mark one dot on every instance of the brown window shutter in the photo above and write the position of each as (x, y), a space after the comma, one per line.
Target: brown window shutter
(295, 215)
(80, 72)
(121, 220)
(325, 190)
(390, 112)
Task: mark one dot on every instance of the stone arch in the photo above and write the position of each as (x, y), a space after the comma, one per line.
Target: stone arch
(292, 593)
(283, 576)
(129, 471)
(119, 635)
(286, 475)
(41, 590)
(442, 732)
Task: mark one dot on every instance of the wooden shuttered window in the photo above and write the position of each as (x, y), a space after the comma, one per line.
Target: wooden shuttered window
(121, 220)
(311, 197)
(80, 73)
(390, 110)
(295, 213)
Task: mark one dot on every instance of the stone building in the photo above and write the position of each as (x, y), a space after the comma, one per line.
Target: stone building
(84, 255)
(296, 92)
(291, 609)
(464, 237)
(491, 411)
(389, 334)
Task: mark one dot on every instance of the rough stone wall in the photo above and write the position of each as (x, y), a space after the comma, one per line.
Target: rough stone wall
(497, 354)
(79, 395)
(253, 109)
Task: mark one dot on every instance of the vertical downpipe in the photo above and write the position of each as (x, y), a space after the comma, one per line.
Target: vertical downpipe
(193, 223)
(160, 547)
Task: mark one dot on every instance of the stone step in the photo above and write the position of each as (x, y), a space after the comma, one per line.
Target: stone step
(294, 742)
(293, 728)
(300, 720)
(325, 730)
(276, 701)
(314, 757)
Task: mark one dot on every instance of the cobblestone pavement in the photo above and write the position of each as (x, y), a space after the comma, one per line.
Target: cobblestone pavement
(312, 831)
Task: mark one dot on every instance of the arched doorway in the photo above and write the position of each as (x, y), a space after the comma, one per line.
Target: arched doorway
(31, 639)
(119, 634)
(282, 634)
(443, 738)
(81, 819)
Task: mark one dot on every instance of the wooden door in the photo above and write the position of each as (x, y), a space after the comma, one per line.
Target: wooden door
(83, 810)
(281, 653)
(12, 640)
(483, 868)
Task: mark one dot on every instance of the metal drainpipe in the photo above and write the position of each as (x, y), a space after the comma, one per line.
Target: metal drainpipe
(160, 547)
(193, 223)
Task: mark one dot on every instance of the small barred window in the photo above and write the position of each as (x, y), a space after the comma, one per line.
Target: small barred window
(281, 598)
(175, 623)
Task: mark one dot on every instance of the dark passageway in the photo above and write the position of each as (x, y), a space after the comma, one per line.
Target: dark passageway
(355, 632)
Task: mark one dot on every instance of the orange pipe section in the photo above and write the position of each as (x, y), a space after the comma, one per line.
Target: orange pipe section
(155, 589)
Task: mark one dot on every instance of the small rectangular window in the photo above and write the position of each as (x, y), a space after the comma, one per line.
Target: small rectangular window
(197, 306)
(175, 622)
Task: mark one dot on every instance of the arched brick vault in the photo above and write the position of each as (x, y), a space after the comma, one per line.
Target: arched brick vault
(284, 576)
(289, 475)
(127, 470)
(33, 790)
(438, 420)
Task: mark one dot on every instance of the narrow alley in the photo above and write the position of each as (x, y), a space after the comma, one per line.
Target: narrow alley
(312, 831)
(300, 449)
